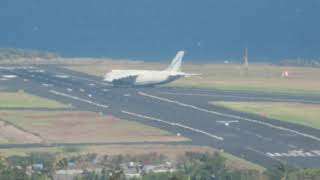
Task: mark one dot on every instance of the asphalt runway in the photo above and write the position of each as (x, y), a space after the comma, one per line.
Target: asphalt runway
(180, 110)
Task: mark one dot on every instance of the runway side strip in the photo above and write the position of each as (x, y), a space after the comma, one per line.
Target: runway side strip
(173, 124)
(229, 115)
(242, 97)
(79, 99)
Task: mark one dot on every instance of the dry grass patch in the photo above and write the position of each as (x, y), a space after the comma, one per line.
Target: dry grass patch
(264, 78)
(10, 134)
(82, 127)
(260, 77)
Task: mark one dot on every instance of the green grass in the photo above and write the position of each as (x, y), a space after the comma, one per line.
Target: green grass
(303, 114)
(23, 100)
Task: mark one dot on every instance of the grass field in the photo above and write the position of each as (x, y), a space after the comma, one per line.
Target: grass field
(260, 78)
(84, 127)
(24, 100)
(303, 114)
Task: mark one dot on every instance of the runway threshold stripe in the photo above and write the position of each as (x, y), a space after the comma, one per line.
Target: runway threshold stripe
(173, 124)
(79, 99)
(230, 116)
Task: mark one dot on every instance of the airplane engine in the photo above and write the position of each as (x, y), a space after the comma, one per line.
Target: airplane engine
(155, 78)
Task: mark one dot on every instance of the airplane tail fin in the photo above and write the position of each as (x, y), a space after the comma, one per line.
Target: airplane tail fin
(176, 62)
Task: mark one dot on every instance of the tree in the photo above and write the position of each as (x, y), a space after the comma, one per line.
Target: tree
(62, 163)
(280, 171)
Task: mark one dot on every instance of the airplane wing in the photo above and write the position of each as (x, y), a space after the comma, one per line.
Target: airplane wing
(192, 74)
(125, 80)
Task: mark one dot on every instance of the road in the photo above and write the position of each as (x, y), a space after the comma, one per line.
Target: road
(180, 110)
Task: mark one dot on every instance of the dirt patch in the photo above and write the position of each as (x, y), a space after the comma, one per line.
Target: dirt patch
(11, 134)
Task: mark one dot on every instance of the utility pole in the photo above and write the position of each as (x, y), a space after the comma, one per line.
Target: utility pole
(246, 61)
(245, 58)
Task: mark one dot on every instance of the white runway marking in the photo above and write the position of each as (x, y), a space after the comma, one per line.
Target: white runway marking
(230, 116)
(295, 153)
(242, 97)
(229, 122)
(79, 99)
(9, 76)
(69, 89)
(13, 68)
(62, 76)
(47, 85)
(173, 124)
(37, 70)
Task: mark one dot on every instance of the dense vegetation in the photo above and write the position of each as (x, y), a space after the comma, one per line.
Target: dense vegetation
(190, 166)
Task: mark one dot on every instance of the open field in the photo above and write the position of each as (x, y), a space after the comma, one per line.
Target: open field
(84, 127)
(303, 114)
(24, 100)
(259, 77)
(173, 152)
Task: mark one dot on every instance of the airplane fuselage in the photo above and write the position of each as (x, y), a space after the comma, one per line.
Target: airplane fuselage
(129, 78)
(141, 77)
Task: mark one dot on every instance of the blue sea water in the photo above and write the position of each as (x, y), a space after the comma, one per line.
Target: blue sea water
(209, 30)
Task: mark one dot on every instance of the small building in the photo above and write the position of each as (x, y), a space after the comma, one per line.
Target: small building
(162, 168)
(37, 166)
(285, 74)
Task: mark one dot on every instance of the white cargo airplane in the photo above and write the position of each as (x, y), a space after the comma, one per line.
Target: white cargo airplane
(131, 78)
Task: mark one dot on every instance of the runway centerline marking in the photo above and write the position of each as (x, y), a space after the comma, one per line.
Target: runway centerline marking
(173, 124)
(79, 99)
(229, 115)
